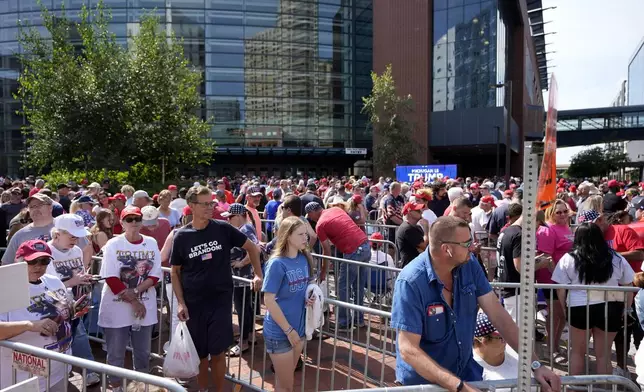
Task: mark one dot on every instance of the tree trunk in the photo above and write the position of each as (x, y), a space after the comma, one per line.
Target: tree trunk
(163, 170)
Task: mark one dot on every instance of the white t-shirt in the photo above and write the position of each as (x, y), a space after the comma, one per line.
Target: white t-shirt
(65, 265)
(509, 369)
(178, 204)
(48, 300)
(132, 264)
(565, 273)
(429, 216)
(479, 220)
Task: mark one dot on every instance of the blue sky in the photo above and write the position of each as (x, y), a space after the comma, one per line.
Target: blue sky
(594, 41)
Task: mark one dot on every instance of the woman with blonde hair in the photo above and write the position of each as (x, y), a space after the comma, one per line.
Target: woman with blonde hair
(555, 242)
(357, 211)
(173, 216)
(593, 202)
(289, 271)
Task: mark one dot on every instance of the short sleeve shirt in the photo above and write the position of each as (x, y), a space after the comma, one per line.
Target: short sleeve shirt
(408, 237)
(204, 257)
(622, 238)
(446, 333)
(239, 253)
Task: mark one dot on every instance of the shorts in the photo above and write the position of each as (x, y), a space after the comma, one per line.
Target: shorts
(597, 318)
(278, 346)
(211, 325)
(546, 294)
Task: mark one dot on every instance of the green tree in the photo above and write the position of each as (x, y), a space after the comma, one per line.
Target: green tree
(73, 93)
(165, 97)
(597, 161)
(387, 115)
(93, 104)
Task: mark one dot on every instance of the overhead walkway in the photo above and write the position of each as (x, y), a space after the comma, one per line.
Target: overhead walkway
(599, 125)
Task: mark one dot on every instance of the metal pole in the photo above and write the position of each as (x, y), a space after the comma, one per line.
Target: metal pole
(498, 152)
(528, 241)
(508, 131)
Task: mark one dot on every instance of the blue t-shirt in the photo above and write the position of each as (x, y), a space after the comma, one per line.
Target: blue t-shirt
(174, 217)
(287, 279)
(271, 213)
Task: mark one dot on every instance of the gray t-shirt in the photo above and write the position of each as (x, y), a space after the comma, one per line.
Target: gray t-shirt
(30, 232)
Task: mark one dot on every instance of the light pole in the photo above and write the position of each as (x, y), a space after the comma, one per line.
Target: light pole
(508, 125)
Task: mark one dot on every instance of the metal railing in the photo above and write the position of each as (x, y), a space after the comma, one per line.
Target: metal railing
(567, 382)
(86, 366)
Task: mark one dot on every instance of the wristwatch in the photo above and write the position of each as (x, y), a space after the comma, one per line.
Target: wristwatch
(535, 365)
(460, 386)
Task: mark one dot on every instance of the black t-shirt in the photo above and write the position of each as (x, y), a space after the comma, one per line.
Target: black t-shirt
(498, 219)
(309, 197)
(438, 206)
(408, 237)
(613, 203)
(65, 202)
(508, 247)
(204, 257)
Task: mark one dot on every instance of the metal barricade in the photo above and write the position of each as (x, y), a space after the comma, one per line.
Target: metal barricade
(387, 231)
(373, 215)
(567, 383)
(611, 301)
(86, 366)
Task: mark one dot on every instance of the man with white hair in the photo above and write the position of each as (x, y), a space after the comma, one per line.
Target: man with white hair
(453, 193)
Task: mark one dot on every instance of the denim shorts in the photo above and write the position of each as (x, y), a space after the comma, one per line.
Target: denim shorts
(278, 346)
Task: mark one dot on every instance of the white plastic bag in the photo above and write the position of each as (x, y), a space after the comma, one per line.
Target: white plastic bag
(324, 286)
(182, 359)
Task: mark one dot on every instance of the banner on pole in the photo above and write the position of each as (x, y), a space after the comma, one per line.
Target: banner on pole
(428, 172)
(548, 175)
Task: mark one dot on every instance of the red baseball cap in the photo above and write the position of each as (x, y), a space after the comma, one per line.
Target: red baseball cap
(348, 186)
(33, 249)
(172, 187)
(488, 200)
(130, 210)
(612, 183)
(412, 206)
(474, 185)
(424, 195)
(572, 188)
(155, 197)
(376, 236)
(187, 211)
(508, 192)
(357, 199)
(118, 196)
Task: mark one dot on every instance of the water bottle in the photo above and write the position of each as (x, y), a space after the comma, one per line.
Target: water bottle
(136, 325)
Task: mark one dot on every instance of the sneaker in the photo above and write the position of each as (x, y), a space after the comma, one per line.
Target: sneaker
(618, 371)
(93, 379)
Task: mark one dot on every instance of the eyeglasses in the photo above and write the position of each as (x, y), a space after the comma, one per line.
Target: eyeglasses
(561, 212)
(41, 260)
(131, 219)
(465, 244)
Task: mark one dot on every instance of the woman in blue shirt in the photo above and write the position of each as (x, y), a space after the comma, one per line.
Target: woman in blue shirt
(287, 277)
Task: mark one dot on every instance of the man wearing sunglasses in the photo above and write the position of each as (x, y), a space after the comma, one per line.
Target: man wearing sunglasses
(434, 312)
(40, 210)
(203, 284)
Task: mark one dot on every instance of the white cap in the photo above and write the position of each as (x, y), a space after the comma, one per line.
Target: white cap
(140, 194)
(71, 223)
(150, 215)
(196, 184)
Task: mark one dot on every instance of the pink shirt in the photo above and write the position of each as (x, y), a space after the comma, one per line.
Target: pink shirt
(556, 241)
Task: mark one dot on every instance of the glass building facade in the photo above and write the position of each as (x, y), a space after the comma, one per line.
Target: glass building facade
(636, 77)
(469, 54)
(277, 73)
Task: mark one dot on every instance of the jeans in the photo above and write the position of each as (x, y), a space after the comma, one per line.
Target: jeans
(243, 300)
(117, 339)
(80, 344)
(91, 319)
(351, 282)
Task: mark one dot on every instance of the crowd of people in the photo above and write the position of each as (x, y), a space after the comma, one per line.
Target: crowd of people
(452, 326)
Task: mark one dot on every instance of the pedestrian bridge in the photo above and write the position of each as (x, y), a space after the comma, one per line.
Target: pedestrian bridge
(583, 127)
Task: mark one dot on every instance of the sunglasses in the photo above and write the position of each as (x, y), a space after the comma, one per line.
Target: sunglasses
(41, 260)
(131, 219)
(561, 212)
(465, 244)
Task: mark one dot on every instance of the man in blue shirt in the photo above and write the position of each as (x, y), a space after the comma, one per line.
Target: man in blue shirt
(434, 312)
